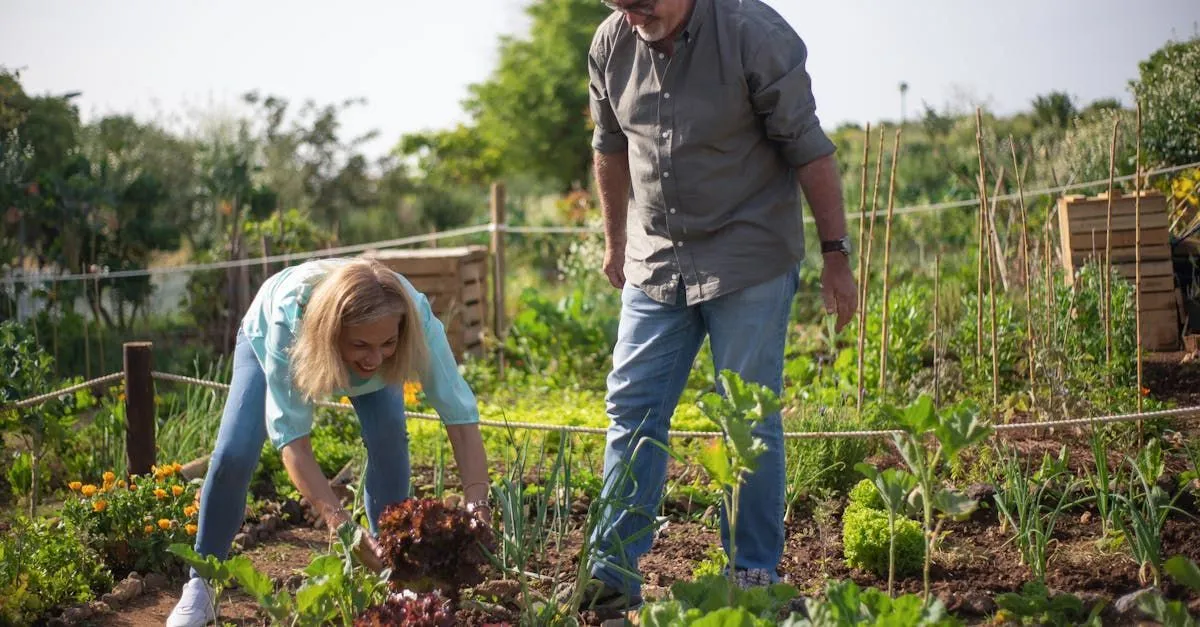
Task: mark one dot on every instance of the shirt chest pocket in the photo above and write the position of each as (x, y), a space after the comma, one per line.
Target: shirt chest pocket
(714, 116)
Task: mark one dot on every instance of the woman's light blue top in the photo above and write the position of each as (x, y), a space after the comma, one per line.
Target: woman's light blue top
(272, 322)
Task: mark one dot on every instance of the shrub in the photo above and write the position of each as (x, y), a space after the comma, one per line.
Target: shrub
(865, 541)
(132, 525)
(43, 567)
(865, 494)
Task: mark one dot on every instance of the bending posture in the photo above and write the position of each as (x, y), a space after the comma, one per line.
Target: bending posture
(703, 110)
(328, 327)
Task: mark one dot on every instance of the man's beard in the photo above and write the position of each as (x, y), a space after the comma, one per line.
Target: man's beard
(652, 31)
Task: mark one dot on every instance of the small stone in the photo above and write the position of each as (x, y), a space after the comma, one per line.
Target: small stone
(503, 589)
(110, 600)
(579, 508)
(134, 575)
(129, 589)
(710, 513)
(76, 614)
(978, 603)
(243, 540)
(100, 607)
(156, 581)
(1128, 604)
(981, 491)
(270, 522)
(1085, 518)
(263, 534)
(292, 511)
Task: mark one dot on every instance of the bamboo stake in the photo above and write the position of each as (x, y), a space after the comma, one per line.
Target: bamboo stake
(986, 240)
(1025, 272)
(862, 269)
(979, 231)
(937, 282)
(994, 238)
(1107, 289)
(1137, 263)
(887, 259)
(865, 287)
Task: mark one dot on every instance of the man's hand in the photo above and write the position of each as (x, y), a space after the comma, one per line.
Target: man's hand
(838, 288)
(614, 265)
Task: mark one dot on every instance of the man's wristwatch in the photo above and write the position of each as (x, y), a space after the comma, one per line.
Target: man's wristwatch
(836, 246)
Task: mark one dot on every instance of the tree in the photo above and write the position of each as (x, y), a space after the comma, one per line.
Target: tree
(1055, 109)
(533, 110)
(1168, 87)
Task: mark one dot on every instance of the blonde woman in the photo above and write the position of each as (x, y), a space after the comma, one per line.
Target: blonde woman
(331, 327)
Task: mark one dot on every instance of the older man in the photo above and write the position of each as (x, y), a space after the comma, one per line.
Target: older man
(704, 112)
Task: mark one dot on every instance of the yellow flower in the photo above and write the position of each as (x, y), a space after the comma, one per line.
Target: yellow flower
(149, 529)
(190, 511)
(164, 524)
(121, 484)
(99, 506)
(176, 490)
(176, 466)
(411, 389)
(109, 477)
(191, 529)
(75, 485)
(160, 493)
(88, 490)
(345, 400)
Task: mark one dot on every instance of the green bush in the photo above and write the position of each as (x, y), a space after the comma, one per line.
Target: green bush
(865, 541)
(865, 494)
(44, 567)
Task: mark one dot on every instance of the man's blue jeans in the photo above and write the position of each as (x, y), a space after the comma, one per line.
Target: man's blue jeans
(656, 346)
(240, 442)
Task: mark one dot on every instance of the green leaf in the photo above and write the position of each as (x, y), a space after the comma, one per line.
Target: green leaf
(960, 429)
(249, 578)
(1184, 571)
(324, 566)
(919, 416)
(953, 503)
(715, 459)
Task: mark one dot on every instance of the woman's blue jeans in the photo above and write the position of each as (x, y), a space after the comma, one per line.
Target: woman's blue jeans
(240, 442)
(656, 345)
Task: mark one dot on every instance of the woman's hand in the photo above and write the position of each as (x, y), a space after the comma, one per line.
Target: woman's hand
(370, 552)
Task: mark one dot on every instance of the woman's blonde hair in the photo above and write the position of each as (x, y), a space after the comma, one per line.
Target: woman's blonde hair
(358, 292)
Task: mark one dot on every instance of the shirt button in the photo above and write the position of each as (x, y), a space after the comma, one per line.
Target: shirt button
(672, 210)
(667, 95)
(679, 244)
(662, 55)
(666, 134)
(666, 175)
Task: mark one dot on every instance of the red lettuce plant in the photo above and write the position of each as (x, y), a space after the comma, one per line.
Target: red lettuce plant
(430, 546)
(430, 609)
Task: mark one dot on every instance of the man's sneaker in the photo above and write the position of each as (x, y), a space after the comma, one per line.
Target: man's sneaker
(600, 597)
(752, 578)
(195, 607)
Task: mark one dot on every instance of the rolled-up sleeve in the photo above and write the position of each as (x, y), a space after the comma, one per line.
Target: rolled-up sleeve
(445, 388)
(781, 92)
(607, 136)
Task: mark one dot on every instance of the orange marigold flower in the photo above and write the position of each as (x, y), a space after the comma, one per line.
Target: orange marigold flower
(190, 511)
(191, 529)
(75, 485)
(160, 493)
(164, 524)
(149, 529)
(99, 506)
(109, 476)
(88, 490)
(176, 466)
(411, 389)
(176, 490)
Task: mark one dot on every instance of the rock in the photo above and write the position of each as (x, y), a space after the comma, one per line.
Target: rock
(292, 511)
(503, 589)
(710, 513)
(1127, 606)
(129, 589)
(99, 607)
(977, 603)
(244, 540)
(155, 581)
(134, 575)
(270, 522)
(262, 533)
(1085, 518)
(110, 600)
(579, 508)
(981, 491)
(76, 614)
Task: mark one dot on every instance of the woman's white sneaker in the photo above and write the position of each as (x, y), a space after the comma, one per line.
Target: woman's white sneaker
(195, 607)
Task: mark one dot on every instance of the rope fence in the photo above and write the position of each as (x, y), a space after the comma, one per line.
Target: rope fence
(1177, 413)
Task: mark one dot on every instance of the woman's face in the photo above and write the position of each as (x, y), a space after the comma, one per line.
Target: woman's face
(364, 347)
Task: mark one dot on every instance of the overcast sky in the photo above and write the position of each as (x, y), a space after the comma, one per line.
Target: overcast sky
(412, 59)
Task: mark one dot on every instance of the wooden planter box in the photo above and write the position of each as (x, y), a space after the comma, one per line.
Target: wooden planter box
(1082, 224)
(455, 281)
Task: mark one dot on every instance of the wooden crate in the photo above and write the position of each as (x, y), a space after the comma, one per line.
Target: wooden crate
(1082, 223)
(455, 281)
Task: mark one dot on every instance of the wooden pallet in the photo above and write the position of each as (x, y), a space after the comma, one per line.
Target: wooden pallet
(1083, 223)
(455, 281)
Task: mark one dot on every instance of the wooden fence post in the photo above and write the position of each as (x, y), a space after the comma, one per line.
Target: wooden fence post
(139, 408)
(498, 224)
